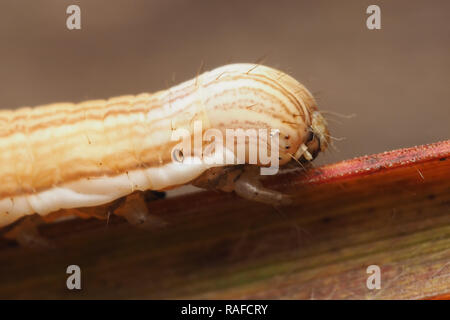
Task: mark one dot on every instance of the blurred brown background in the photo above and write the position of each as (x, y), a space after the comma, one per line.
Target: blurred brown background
(395, 79)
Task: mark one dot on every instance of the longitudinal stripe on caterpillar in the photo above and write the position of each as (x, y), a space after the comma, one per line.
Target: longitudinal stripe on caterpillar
(65, 156)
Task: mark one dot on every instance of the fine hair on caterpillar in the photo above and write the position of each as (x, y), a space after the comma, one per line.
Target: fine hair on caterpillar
(329, 119)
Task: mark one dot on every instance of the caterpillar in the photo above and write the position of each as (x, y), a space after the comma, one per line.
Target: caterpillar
(67, 156)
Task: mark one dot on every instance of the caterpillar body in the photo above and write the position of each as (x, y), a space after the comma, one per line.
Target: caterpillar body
(64, 155)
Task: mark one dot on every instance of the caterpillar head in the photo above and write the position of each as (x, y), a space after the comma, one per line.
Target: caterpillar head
(311, 128)
(317, 138)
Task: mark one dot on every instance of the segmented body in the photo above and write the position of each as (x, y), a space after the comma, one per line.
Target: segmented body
(68, 155)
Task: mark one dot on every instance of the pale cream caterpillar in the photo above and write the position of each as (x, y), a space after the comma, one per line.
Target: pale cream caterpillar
(64, 156)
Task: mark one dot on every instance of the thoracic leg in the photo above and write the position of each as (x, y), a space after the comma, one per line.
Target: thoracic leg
(249, 186)
(244, 181)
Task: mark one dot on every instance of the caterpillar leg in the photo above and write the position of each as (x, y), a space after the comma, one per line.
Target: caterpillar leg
(26, 233)
(244, 181)
(134, 209)
(249, 186)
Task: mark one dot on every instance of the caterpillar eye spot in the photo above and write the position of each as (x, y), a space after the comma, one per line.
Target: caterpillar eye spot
(177, 155)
